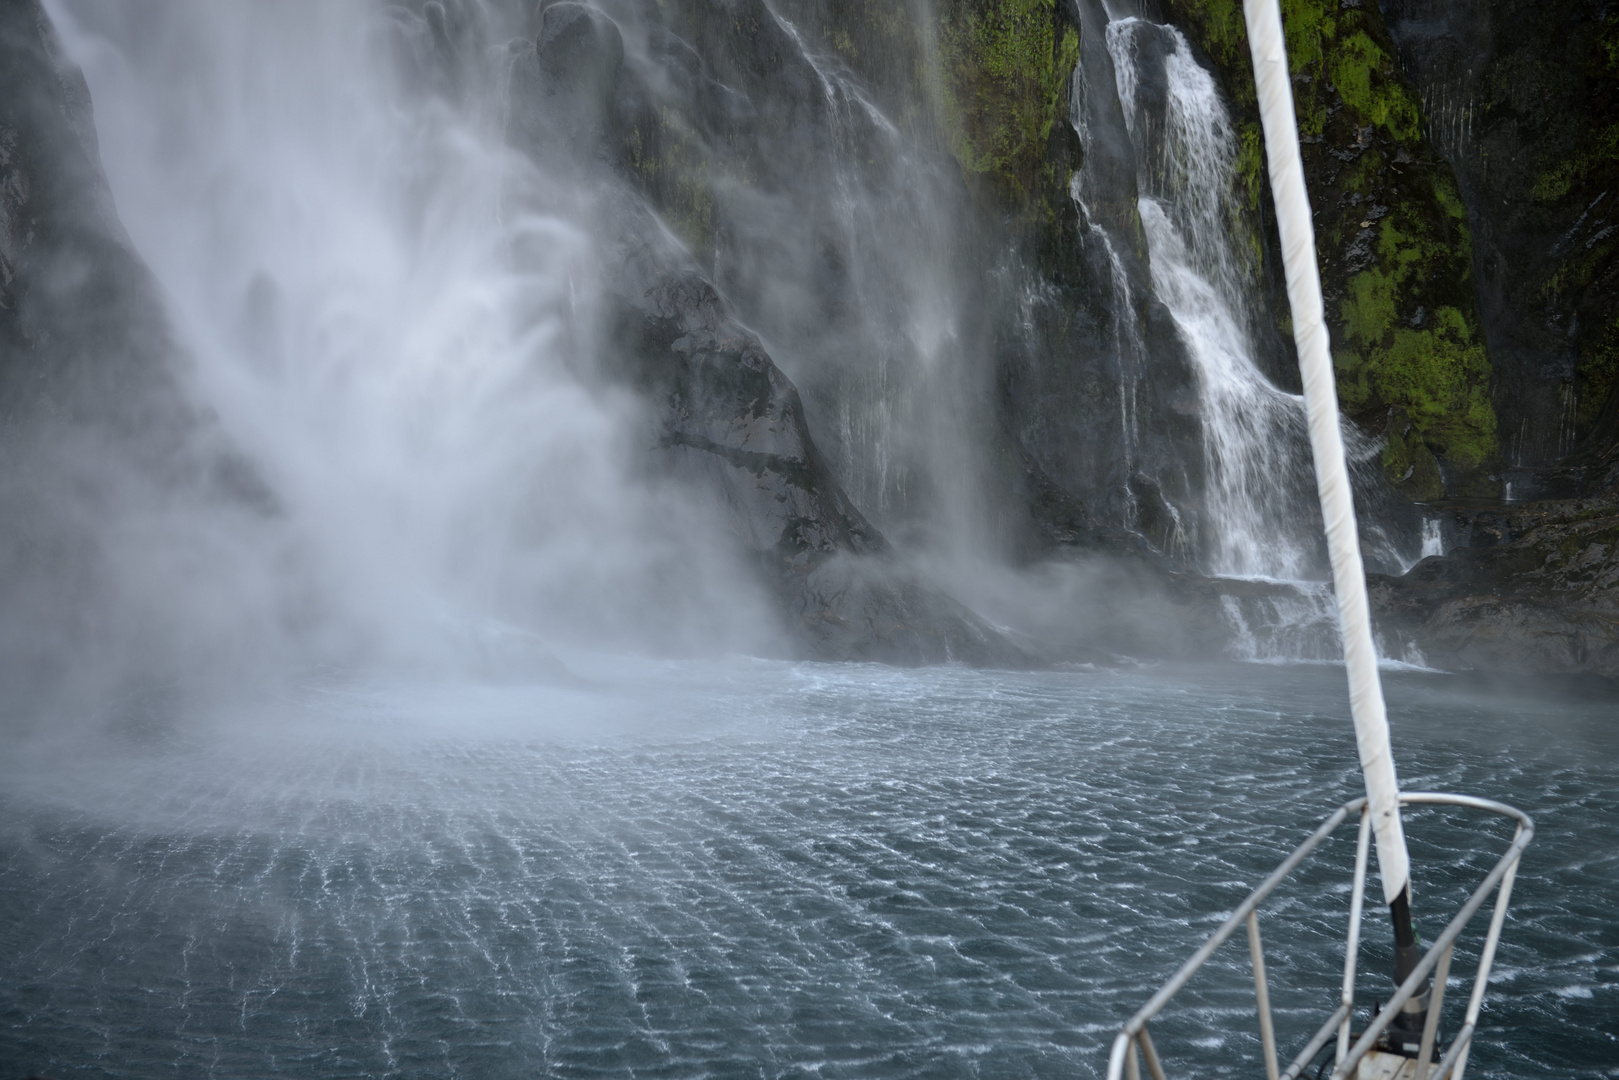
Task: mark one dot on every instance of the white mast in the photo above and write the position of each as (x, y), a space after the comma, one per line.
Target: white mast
(1293, 220)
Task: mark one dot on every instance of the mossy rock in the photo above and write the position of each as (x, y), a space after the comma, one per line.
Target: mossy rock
(670, 163)
(1408, 463)
(1005, 67)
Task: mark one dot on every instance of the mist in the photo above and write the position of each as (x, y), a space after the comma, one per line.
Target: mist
(393, 319)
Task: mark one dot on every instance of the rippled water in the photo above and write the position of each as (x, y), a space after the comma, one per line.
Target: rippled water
(765, 869)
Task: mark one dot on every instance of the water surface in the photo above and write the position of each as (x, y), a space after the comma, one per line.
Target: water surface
(768, 869)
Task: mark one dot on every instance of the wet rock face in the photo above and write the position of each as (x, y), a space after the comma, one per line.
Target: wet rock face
(1542, 596)
(727, 421)
(563, 92)
(80, 319)
(1523, 99)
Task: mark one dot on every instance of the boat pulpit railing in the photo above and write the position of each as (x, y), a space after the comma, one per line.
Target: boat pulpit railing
(1134, 1044)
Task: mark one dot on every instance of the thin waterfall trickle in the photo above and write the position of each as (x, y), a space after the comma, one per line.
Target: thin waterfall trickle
(1261, 520)
(1127, 337)
(891, 377)
(1433, 538)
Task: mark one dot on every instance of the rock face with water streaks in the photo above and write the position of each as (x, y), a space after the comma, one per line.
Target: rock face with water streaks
(81, 323)
(1523, 100)
(730, 416)
(728, 419)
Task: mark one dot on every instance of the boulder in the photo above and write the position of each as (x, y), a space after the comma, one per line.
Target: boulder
(562, 92)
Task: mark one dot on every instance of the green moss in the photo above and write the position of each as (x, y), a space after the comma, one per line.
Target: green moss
(1324, 44)
(1223, 34)
(1444, 191)
(1006, 70)
(1251, 163)
(1596, 374)
(1361, 71)
(1436, 372)
(1369, 311)
(1560, 179)
(1409, 464)
(1555, 182)
(673, 168)
(1310, 27)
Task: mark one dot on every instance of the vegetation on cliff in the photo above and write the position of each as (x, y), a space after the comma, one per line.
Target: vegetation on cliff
(1586, 269)
(1006, 68)
(668, 159)
(1395, 246)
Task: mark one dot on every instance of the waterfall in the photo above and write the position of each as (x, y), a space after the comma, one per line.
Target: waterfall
(1433, 537)
(1260, 510)
(1261, 520)
(859, 288)
(392, 315)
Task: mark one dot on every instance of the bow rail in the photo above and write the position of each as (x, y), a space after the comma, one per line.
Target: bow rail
(1134, 1043)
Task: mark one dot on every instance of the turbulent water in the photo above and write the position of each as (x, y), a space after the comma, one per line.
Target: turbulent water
(763, 869)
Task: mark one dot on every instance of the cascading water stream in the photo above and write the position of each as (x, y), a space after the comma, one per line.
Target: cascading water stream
(886, 358)
(1261, 520)
(1259, 507)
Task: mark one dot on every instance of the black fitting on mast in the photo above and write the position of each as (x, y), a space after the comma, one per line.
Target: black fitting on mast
(1404, 1035)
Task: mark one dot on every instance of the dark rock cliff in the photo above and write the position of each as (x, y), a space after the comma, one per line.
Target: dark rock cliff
(861, 392)
(82, 323)
(1459, 166)
(1536, 590)
(1523, 101)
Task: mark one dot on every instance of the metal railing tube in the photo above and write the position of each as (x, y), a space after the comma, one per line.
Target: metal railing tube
(1430, 1029)
(1229, 927)
(1115, 1058)
(1487, 955)
(1150, 1052)
(1267, 1031)
(1133, 1039)
(1458, 1050)
(1314, 1046)
(1132, 1062)
(1352, 942)
(1413, 982)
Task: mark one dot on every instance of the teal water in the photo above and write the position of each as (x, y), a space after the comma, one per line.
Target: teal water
(767, 869)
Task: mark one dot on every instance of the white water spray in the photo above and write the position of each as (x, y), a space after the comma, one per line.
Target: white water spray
(393, 315)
